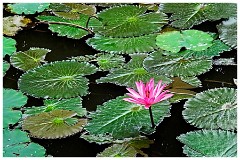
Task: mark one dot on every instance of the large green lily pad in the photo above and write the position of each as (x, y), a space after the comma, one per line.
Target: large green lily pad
(27, 8)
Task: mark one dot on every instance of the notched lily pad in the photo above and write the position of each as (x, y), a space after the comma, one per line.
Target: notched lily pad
(62, 79)
(29, 59)
(213, 109)
(9, 46)
(13, 24)
(54, 124)
(27, 8)
(190, 39)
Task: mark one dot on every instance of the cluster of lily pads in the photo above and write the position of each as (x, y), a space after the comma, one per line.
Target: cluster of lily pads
(160, 44)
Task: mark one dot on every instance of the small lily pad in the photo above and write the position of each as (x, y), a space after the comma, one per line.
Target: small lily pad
(29, 59)
(54, 124)
(6, 66)
(9, 46)
(27, 8)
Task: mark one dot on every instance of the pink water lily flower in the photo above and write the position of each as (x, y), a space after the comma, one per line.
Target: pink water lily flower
(147, 95)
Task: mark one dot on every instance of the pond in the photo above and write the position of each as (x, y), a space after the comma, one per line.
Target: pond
(164, 137)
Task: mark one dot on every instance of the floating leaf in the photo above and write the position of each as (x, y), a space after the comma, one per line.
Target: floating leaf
(129, 20)
(57, 80)
(132, 72)
(54, 124)
(17, 144)
(194, 81)
(13, 24)
(122, 119)
(215, 50)
(8, 46)
(150, 6)
(27, 8)
(29, 59)
(72, 10)
(99, 139)
(72, 104)
(224, 61)
(209, 143)
(190, 39)
(127, 45)
(213, 109)
(176, 65)
(228, 32)
(186, 15)
(6, 66)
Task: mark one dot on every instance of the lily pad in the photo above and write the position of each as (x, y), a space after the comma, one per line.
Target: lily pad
(122, 119)
(209, 143)
(194, 81)
(132, 72)
(17, 144)
(75, 29)
(9, 46)
(27, 8)
(54, 124)
(186, 15)
(190, 39)
(129, 45)
(29, 59)
(13, 24)
(228, 32)
(62, 79)
(6, 66)
(72, 104)
(215, 50)
(176, 65)
(213, 109)
(129, 20)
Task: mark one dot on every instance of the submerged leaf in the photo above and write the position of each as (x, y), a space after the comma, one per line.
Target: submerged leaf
(27, 8)
(209, 143)
(186, 15)
(122, 119)
(213, 109)
(9, 46)
(57, 80)
(176, 65)
(29, 59)
(6, 66)
(54, 124)
(129, 20)
(228, 32)
(127, 45)
(13, 24)
(132, 72)
(190, 39)
(72, 104)
(194, 81)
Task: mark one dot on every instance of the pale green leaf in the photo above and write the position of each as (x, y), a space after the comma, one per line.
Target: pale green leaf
(29, 59)
(129, 45)
(190, 39)
(9, 46)
(54, 124)
(6, 66)
(213, 109)
(209, 143)
(194, 81)
(57, 80)
(132, 72)
(122, 119)
(27, 8)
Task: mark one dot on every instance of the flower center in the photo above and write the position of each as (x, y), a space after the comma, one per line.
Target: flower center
(140, 71)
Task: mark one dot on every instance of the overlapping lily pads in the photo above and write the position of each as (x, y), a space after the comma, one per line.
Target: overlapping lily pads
(176, 65)
(129, 20)
(29, 59)
(122, 119)
(62, 79)
(190, 39)
(228, 32)
(185, 15)
(12, 99)
(17, 144)
(75, 29)
(213, 109)
(209, 143)
(54, 124)
(132, 72)
(9, 46)
(72, 104)
(27, 8)
(127, 45)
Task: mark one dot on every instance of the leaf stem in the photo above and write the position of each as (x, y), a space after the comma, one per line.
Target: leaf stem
(151, 117)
